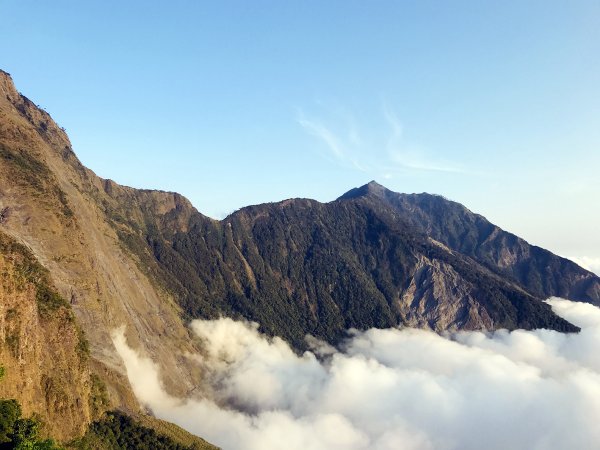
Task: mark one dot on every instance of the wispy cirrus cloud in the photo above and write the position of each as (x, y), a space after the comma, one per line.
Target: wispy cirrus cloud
(386, 153)
(337, 146)
(408, 155)
(324, 134)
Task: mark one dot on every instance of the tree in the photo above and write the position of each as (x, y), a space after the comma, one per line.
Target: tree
(25, 436)
(10, 412)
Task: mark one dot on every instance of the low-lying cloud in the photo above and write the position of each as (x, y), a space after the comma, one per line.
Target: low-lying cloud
(391, 389)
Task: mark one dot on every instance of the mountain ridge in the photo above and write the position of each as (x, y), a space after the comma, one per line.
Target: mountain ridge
(234, 234)
(472, 234)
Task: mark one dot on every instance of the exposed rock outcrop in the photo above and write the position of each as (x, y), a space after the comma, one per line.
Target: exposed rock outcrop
(43, 351)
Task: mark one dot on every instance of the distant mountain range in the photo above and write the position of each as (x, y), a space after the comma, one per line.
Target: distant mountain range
(99, 255)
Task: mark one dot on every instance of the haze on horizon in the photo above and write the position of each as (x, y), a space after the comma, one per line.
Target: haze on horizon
(494, 106)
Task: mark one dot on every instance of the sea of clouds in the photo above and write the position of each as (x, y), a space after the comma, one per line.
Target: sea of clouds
(390, 389)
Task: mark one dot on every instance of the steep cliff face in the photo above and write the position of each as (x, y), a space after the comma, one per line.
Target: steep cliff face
(42, 350)
(61, 211)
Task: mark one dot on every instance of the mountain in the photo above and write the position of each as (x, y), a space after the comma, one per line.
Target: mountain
(52, 214)
(300, 266)
(541, 272)
(83, 256)
(44, 353)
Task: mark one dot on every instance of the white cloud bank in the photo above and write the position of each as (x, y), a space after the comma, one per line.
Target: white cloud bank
(392, 389)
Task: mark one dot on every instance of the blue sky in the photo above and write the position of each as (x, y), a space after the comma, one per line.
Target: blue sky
(492, 104)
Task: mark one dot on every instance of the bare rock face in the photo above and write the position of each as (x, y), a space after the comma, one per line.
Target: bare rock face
(439, 299)
(42, 350)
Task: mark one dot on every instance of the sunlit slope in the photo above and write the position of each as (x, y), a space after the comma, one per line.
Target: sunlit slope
(55, 208)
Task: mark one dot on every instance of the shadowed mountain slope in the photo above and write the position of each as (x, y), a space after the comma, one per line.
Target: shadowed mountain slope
(538, 270)
(300, 266)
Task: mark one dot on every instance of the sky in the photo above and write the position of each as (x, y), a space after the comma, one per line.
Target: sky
(493, 104)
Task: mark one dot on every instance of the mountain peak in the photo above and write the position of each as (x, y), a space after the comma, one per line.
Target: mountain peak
(5, 75)
(372, 188)
(374, 185)
(7, 86)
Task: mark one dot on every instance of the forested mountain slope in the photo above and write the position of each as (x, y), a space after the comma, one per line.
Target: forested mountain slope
(540, 271)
